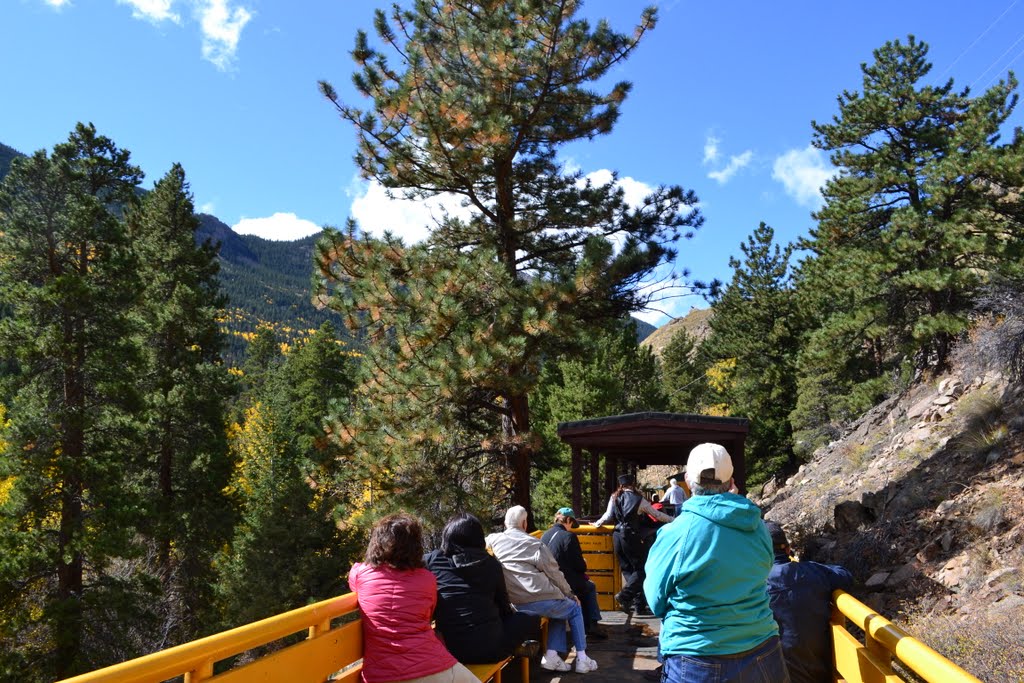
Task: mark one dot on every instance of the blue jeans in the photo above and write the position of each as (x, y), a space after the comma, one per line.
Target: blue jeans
(763, 664)
(588, 603)
(560, 611)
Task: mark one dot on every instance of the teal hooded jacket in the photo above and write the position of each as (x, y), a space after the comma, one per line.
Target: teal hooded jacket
(706, 577)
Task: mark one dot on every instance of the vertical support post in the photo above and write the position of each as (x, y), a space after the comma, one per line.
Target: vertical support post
(739, 465)
(200, 673)
(319, 629)
(595, 484)
(838, 619)
(577, 479)
(610, 465)
(880, 651)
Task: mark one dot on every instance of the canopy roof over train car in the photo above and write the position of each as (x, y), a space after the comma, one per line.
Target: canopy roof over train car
(634, 441)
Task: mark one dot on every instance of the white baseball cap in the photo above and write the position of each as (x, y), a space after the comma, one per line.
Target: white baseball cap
(709, 456)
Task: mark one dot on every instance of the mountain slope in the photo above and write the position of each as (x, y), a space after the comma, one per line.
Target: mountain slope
(923, 500)
(696, 322)
(267, 283)
(7, 155)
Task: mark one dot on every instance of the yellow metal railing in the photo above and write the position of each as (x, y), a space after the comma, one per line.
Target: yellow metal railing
(871, 660)
(328, 649)
(325, 651)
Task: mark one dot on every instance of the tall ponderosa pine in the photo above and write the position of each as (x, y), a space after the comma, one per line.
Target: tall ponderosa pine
(68, 279)
(185, 389)
(482, 96)
(925, 209)
(756, 325)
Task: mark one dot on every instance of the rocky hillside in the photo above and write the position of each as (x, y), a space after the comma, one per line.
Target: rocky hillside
(923, 500)
(695, 322)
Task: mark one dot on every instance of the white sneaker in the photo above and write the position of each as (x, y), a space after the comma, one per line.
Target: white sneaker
(554, 664)
(585, 665)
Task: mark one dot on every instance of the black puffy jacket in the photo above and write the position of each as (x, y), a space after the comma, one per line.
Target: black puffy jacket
(471, 600)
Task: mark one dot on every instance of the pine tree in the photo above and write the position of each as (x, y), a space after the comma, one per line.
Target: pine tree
(68, 278)
(290, 546)
(682, 370)
(756, 327)
(484, 96)
(925, 209)
(185, 390)
(615, 375)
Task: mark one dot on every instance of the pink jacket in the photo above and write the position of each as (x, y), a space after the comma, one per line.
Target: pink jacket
(397, 606)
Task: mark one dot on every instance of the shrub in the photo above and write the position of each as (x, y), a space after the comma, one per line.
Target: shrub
(985, 642)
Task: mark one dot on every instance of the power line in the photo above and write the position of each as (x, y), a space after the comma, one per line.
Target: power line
(998, 59)
(1007, 68)
(980, 36)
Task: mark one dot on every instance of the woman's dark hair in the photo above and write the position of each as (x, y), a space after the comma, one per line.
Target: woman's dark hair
(622, 489)
(396, 540)
(462, 531)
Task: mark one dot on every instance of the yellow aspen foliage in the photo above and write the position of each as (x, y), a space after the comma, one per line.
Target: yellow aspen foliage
(7, 483)
(253, 446)
(720, 374)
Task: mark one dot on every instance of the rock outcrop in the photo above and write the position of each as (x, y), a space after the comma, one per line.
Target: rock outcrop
(922, 499)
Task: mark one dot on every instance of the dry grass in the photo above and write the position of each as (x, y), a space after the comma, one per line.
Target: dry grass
(988, 644)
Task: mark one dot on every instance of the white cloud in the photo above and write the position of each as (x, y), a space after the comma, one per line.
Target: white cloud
(710, 150)
(153, 11)
(412, 220)
(635, 190)
(221, 26)
(724, 175)
(279, 227)
(58, 4)
(207, 207)
(803, 172)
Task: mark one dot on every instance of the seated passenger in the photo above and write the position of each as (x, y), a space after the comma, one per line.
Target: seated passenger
(536, 586)
(396, 597)
(473, 613)
(801, 600)
(566, 548)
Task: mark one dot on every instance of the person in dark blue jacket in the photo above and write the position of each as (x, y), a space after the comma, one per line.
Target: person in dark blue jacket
(800, 596)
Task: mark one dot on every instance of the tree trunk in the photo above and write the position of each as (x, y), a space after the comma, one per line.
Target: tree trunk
(68, 620)
(516, 427)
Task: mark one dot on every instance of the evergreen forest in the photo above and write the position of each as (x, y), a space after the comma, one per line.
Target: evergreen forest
(197, 428)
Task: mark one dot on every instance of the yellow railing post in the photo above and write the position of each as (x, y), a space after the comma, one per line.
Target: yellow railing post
(882, 654)
(200, 673)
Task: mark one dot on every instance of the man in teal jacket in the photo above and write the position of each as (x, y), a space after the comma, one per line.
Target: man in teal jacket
(706, 581)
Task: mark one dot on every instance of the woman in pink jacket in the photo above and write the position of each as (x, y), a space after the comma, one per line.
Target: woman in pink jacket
(397, 597)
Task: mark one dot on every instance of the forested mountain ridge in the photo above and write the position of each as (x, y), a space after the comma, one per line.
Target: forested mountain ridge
(7, 154)
(266, 281)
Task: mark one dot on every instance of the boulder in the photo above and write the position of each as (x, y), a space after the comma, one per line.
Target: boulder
(851, 515)
(904, 574)
(877, 580)
(919, 408)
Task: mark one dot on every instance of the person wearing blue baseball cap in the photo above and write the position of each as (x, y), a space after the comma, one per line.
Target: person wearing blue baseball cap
(565, 546)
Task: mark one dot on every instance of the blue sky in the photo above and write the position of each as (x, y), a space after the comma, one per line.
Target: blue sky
(724, 93)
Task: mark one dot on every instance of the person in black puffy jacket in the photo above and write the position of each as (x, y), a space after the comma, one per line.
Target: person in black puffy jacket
(800, 595)
(473, 613)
